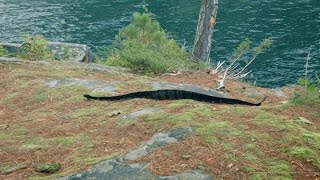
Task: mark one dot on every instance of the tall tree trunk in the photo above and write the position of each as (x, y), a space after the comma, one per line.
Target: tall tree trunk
(206, 22)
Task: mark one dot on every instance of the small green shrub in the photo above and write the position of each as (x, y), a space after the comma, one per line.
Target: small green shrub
(34, 47)
(4, 52)
(310, 94)
(145, 48)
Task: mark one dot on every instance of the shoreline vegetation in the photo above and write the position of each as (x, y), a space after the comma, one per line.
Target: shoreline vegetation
(48, 130)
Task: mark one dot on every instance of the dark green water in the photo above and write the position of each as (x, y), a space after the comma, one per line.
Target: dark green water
(294, 26)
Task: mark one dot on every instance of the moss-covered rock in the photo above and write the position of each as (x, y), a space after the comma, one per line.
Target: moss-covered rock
(48, 168)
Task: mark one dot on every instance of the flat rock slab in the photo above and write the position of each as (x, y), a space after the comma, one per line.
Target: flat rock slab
(120, 169)
(140, 113)
(186, 87)
(114, 170)
(157, 141)
(97, 86)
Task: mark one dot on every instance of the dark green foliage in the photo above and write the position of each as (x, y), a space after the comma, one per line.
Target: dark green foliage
(145, 48)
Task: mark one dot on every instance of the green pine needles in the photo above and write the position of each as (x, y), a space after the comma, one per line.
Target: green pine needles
(145, 48)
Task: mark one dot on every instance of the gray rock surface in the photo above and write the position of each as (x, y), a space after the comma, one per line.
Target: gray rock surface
(191, 175)
(186, 87)
(97, 86)
(101, 68)
(278, 92)
(157, 141)
(120, 169)
(113, 170)
(61, 51)
(140, 113)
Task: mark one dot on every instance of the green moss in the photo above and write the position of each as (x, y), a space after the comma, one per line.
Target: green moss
(23, 84)
(39, 143)
(64, 70)
(64, 92)
(181, 103)
(312, 139)
(190, 117)
(82, 113)
(5, 167)
(12, 137)
(74, 99)
(39, 95)
(270, 120)
(22, 73)
(157, 119)
(9, 97)
(280, 170)
(264, 168)
(47, 167)
(182, 117)
(3, 135)
(256, 176)
(203, 110)
(214, 132)
(89, 161)
(251, 157)
(18, 132)
(233, 111)
(307, 154)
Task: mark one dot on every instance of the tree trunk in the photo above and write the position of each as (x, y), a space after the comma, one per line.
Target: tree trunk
(206, 22)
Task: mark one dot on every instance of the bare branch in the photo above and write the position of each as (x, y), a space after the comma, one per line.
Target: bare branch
(307, 63)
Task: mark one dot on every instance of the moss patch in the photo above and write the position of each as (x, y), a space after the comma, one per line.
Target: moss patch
(82, 113)
(39, 95)
(47, 167)
(306, 154)
(38, 143)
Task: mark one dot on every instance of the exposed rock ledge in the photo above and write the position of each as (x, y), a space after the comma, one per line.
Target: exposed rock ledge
(120, 168)
(78, 52)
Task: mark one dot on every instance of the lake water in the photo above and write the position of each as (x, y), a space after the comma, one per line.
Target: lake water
(294, 26)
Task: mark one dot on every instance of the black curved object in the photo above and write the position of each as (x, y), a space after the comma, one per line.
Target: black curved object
(174, 95)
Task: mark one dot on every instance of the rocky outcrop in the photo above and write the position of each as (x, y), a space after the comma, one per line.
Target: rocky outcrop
(61, 51)
(120, 168)
(96, 86)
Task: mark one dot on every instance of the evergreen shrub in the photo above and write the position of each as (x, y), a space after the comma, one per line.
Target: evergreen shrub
(145, 48)
(34, 47)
